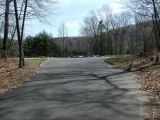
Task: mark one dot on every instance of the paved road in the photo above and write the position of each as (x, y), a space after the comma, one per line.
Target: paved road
(75, 89)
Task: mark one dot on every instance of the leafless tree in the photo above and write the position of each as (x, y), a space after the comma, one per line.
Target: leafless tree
(63, 34)
(17, 11)
(106, 17)
(125, 21)
(150, 9)
(6, 27)
(90, 29)
(19, 35)
(115, 24)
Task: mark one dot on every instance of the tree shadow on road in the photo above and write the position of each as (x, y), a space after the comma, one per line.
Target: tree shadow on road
(40, 92)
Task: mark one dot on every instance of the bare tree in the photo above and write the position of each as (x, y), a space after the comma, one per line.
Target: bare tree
(63, 34)
(101, 33)
(90, 29)
(18, 11)
(150, 9)
(115, 23)
(6, 27)
(21, 56)
(107, 16)
(125, 21)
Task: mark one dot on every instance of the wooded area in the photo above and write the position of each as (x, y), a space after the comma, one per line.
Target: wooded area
(136, 30)
(13, 16)
(130, 32)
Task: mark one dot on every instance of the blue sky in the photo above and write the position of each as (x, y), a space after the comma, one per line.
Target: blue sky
(72, 13)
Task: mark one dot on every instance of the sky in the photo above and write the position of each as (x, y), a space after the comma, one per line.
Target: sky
(72, 13)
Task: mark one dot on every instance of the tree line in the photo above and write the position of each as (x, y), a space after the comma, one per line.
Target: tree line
(135, 30)
(44, 45)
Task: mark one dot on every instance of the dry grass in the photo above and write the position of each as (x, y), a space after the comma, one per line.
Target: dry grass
(148, 76)
(149, 79)
(12, 77)
(119, 60)
(34, 63)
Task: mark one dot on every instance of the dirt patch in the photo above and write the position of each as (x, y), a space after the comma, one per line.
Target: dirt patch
(11, 76)
(149, 79)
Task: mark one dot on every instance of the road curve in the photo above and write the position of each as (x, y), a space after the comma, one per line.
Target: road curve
(75, 89)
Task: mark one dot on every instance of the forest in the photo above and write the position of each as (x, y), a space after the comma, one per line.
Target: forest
(132, 31)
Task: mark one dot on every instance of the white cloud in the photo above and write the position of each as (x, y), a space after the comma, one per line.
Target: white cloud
(117, 8)
(63, 3)
(115, 5)
(73, 24)
(72, 12)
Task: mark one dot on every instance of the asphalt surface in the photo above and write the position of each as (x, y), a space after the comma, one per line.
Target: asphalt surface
(75, 89)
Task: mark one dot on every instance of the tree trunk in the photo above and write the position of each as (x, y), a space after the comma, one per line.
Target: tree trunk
(156, 24)
(22, 32)
(18, 36)
(14, 32)
(6, 26)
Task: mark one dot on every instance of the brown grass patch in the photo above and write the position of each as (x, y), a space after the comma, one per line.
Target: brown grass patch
(148, 76)
(12, 77)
